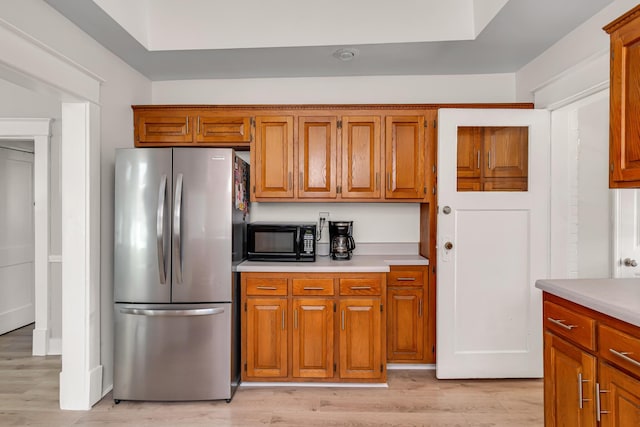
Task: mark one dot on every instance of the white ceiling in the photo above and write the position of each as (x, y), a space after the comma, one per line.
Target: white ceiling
(202, 39)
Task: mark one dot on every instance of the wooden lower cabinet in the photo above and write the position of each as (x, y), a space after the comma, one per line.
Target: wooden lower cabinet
(410, 320)
(266, 337)
(313, 327)
(360, 338)
(569, 384)
(312, 336)
(619, 398)
(591, 367)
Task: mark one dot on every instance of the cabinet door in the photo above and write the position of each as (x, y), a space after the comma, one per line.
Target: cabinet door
(360, 157)
(224, 130)
(405, 324)
(272, 160)
(312, 355)
(619, 398)
(360, 340)
(569, 384)
(469, 152)
(153, 128)
(317, 157)
(404, 146)
(505, 152)
(266, 334)
(624, 127)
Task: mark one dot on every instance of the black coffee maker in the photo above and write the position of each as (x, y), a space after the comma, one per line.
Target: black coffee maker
(341, 243)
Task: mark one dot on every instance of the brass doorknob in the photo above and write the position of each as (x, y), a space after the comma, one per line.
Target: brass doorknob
(448, 246)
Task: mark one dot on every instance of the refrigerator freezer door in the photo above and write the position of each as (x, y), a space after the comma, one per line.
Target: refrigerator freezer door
(203, 179)
(172, 352)
(142, 228)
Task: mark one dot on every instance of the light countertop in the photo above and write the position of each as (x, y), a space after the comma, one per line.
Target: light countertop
(324, 264)
(618, 298)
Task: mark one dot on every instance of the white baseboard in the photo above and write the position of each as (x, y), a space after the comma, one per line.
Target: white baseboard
(55, 346)
(40, 342)
(95, 385)
(16, 318)
(411, 366)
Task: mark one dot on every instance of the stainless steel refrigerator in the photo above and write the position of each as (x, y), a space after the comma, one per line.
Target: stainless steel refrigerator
(180, 216)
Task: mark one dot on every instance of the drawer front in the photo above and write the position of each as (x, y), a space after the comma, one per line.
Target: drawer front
(360, 286)
(266, 286)
(571, 325)
(405, 278)
(619, 348)
(313, 286)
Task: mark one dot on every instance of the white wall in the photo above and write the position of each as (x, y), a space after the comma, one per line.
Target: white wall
(373, 223)
(122, 87)
(18, 102)
(571, 79)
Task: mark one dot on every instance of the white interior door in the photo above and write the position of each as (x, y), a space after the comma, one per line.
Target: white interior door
(492, 246)
(626, 252)
(17, 300)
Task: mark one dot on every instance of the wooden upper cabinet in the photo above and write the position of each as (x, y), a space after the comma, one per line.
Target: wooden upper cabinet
(164, 126)
(317, 157)
(222, 129)
(272, 158)
(360, 157)
(469, 152)
(405, 156)
(506, 152)
(160, 127)
(624, 109)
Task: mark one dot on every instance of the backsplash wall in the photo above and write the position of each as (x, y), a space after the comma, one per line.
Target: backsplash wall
(372, 222)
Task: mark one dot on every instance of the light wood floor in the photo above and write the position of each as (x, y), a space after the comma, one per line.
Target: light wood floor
(29, 396)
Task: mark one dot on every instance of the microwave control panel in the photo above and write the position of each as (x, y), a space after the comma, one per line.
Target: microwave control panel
(308, 241)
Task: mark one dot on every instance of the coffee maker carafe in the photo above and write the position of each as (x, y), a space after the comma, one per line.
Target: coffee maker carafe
(341, 243)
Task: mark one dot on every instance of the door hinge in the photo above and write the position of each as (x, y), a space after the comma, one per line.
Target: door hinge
(334, 307)
(335, 367)
(252, 121)
(254, 189)
(433, 349)
(424, 190)
(433, 190)
(339, 124)
(426, 123)
(381, 368)
(611, 167)
(433, 168)
(380, 308)
(339, 189)
(245, 306)
(435, 123)
(245, 367)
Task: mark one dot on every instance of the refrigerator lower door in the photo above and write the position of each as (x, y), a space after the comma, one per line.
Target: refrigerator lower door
(173, 352)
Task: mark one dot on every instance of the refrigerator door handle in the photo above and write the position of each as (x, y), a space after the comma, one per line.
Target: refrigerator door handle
(160, 229)
(173, 313)
(177, 246)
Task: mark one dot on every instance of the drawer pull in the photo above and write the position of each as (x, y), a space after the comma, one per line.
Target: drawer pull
(559, 323)
(623, 355)
(359, 288)
(266, 288)
(581, 399)
(313, 288)
(406, 279)
(599, 410)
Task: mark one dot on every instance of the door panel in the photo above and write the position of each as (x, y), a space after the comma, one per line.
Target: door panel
(492, 248)
(317, 142)
(17, 281)
(405, 157)
(272, 165)
(203, 183)
(266, 335)
(312, 338)
(360, 347)
(142, 227)
(360, 157)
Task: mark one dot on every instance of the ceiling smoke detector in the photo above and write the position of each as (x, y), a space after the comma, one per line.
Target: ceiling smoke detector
(345, 54)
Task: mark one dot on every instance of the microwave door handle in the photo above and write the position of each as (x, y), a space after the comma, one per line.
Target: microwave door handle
(160, 229)
(177, 244)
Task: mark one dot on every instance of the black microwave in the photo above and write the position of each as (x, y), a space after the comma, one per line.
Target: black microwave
(270, 241)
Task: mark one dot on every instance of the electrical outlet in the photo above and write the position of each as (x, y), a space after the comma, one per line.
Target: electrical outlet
(323, 218)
